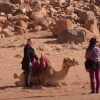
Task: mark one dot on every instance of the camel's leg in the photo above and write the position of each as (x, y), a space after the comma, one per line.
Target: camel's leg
(16, 75)
(17, 83)
(35, 80)
(21, 81)
(64, 83)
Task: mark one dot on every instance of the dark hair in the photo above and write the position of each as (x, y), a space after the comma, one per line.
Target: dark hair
(92, 43)
(29, 39)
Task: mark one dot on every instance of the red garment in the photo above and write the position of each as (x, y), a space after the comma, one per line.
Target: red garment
(44, 62)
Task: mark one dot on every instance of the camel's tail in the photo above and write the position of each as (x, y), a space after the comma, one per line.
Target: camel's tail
(16, 75)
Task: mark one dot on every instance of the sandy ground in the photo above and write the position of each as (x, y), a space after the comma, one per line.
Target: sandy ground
(11, 53)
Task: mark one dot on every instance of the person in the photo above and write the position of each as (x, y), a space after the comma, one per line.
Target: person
(29, 56)
(93, 55)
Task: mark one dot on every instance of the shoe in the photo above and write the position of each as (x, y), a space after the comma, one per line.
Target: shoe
(92, 92)
(27, 85)
(97, 91)
(30, 84)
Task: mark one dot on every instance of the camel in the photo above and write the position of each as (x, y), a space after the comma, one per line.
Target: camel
(50, 77)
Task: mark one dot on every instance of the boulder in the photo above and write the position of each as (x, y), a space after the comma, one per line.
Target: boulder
(52, 10)
(8, 25)
(61, 24)
(35, 4)
(62, 1)
(37, 28)
(97, 10)
(20, 2)
(20, 17)
(3, 18)
(99, 27)
(76, 35)
(20, 11)
(22, 23)
(91, 25)
(7, 32)
(86, 15)
(50, 20)
(4, 0)
(41, 22)
(9, 17)
(54, 2)
(90, 15)
(92, 1)
(45, 2)
(38, 14)
(7, 7)
(19, 30)
(69, 10)
(0, 29)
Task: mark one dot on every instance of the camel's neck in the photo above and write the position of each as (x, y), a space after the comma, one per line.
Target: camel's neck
(60, 75)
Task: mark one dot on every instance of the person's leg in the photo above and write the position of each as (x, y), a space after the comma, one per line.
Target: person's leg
(91, 74)
(26, 78)
(97, 76)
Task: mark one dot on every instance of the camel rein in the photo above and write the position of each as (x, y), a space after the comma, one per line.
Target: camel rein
(77, 76)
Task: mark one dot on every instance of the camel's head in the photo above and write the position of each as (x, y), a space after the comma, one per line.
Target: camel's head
(69, 62)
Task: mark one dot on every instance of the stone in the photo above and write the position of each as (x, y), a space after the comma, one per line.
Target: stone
(2, 36)
(2, 14)
(58, 48)
(90, 15)
(22, 23)
(7, 32)
(20, 2)
(0, 29)
(99, 27)
(50, 20)
(3, 18)
(8, 25)
(76, 35)
(62, 1)
(9, 16)
(45, 2)
(86, 15)
(97, 10)
(20, 17)
(91, 25)
(38, 14)
(69, 10)
(61, 24)
(19, 30)
(7, 7)
(37, 28)
(42, 48)
(52, 10)
(20, 11)
(35, 4)
(41, 22)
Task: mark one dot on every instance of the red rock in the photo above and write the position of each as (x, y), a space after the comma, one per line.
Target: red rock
(69, 10)
(61, 24)
(91, 25)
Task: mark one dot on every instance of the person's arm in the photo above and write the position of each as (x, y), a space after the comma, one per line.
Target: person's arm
(97, 53)
(26, 53)
(33, 55)
(86, 55)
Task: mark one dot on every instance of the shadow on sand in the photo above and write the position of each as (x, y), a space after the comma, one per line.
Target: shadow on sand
(28, 97)
(6, 87)
(44, 37)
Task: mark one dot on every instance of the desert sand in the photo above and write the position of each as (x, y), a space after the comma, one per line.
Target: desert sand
(77, 85)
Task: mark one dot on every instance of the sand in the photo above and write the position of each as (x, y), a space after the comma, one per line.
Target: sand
(77, 80)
